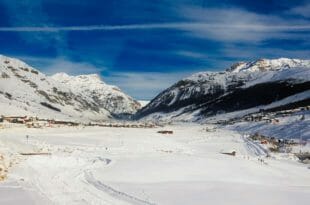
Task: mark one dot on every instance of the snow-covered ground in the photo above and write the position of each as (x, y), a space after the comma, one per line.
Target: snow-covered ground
(294, 126)
(94, 165)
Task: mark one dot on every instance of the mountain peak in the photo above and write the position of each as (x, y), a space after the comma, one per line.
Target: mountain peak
(268, 64)
(91, 80)
(111, 97)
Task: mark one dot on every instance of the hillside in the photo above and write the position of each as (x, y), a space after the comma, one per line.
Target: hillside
(94, 89)
(241, 87)
(24, 90)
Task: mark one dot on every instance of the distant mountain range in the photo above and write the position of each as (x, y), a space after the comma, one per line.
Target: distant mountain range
(245, 86)
(26, 91)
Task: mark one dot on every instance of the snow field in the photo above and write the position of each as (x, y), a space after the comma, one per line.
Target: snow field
(140, 166)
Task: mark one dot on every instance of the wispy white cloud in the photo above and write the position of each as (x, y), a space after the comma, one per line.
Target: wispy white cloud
(238, 25)
(176, 25)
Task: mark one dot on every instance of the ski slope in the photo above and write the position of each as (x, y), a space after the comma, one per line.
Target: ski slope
(95, 165)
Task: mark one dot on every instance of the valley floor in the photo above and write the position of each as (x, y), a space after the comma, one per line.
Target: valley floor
(95, 165)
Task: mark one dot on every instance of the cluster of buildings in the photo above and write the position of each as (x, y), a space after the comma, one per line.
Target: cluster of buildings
(265, 116)
(30, 122)
(271, 117)
(275, 144)
(17, 119)
(35, 122)
(124, 125)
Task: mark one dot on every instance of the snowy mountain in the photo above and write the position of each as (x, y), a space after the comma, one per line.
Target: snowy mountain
(94, 89)
(143, 102)
(241, 87)
(26, 91)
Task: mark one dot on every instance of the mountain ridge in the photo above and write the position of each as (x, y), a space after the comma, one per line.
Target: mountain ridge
(203, 92)
(107, 96)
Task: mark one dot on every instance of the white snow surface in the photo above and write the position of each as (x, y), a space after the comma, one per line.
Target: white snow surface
(23, 89)
(296, 126)
(141, 166)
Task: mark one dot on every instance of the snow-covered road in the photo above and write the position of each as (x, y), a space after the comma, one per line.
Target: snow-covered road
(140, 166)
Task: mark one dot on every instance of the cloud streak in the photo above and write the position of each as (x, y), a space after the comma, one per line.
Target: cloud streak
(239, 25)
(176, 25)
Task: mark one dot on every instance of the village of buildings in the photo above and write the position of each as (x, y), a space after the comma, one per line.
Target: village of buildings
(35, 122)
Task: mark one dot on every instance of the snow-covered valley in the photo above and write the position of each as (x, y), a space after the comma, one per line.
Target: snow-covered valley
(94, 165)
(77, 140)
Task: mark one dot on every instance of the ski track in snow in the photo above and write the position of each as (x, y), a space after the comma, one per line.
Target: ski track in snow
(113, 192)
(254, 147)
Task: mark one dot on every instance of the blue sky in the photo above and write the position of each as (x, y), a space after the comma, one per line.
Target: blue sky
(143, 46)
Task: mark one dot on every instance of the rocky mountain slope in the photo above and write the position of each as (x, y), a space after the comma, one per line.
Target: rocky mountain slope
(241, 87)
(94, 89)
(26, 91)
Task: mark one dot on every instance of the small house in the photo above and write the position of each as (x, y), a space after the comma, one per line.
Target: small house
(165, 132)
